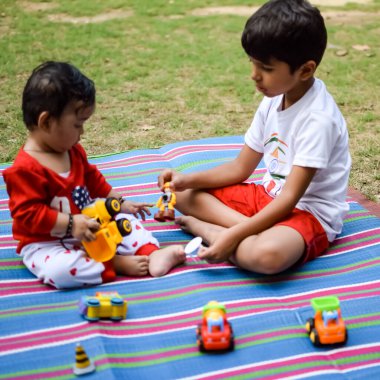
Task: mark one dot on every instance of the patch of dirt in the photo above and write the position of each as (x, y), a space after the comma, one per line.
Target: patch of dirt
(334, 17)
(338, 3)
(37, 7)
(236, 11)
(112, 15)
(349, 17)
(4, 30)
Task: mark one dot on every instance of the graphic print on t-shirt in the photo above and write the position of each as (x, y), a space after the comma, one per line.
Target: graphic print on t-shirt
(273, 184)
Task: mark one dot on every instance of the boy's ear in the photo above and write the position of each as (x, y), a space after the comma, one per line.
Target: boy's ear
(43, 120)
(307, 70)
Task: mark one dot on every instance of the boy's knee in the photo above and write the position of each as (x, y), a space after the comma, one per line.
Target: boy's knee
(270, 262)
(183, 200)
(263, 257)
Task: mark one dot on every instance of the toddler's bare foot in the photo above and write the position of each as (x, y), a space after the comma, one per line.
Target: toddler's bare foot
(196, 227)
(163, 260)
(131, 265)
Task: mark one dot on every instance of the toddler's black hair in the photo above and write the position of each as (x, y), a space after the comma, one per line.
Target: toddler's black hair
(51, 86)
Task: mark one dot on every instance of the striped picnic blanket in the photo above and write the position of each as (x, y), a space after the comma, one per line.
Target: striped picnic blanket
(40, 326)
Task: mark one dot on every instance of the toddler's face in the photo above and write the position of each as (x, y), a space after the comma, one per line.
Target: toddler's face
(66, 131)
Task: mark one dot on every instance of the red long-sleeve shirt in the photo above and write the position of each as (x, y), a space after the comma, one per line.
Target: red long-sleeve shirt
(37, 193)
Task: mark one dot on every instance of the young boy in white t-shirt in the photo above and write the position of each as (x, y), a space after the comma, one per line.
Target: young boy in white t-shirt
(299, 132)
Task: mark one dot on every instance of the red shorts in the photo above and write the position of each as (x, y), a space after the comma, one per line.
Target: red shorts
(249, 199)
(146, 249)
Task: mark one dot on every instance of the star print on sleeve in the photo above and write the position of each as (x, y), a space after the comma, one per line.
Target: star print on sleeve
(81, 196)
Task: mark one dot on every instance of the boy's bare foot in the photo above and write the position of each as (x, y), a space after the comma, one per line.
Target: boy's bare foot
(196, 227)
(164, 259)
(131, 265)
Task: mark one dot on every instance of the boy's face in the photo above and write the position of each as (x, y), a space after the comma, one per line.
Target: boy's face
(66, 131)
(274, 78)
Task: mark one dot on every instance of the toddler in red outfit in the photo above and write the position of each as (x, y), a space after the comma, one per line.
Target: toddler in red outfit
(51, 172)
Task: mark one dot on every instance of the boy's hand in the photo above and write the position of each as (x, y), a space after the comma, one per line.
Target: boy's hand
(176, 180)
(136, 208)
(84, 227)
(222, 248)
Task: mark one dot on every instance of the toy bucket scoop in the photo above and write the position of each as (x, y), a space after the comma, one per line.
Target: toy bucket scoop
(192, 247)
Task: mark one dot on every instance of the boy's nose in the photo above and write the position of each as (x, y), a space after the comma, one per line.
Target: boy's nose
(255, 76)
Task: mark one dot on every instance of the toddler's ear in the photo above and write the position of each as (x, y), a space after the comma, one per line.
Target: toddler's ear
(43, 120)
(308, 70)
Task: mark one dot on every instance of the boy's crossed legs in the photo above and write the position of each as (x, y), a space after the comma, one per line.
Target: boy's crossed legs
(269, 252)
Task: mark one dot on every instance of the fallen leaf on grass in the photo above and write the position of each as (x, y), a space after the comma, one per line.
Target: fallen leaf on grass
(147, 127)
(361, 47)
(341, 53)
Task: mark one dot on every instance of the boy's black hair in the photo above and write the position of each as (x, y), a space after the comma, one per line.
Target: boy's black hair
(292, 31)
(51, 87)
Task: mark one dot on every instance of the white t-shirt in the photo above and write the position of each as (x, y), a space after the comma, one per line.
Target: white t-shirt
(310, 133)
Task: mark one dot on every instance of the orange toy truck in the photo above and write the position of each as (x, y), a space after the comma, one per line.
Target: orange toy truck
(215, 332)
(327, 326)
(110, 233)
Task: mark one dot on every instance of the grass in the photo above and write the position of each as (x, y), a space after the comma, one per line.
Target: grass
(164, 74)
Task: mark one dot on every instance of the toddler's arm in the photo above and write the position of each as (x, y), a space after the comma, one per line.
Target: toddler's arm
(130, 207)
(82, 227)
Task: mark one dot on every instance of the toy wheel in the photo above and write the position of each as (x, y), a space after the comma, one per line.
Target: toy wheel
(112, 206)
(232, 344)
(93, 302)
(115, 301)
(314, 337)
(345, 337)
(310, 325)
(201, 346)
(124, 226)
(92, 305)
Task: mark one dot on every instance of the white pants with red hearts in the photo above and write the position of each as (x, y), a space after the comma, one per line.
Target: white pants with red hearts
(65, 264)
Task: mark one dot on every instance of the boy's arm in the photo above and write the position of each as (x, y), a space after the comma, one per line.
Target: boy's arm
(233, 172)
(295, 186)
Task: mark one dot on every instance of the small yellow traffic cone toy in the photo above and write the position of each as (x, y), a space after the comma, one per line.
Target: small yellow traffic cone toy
(82, 364)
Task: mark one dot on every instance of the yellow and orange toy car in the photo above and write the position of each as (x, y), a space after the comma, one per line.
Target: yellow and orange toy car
(215, 332)
(327, 326)
(108, 305)
(110, 233)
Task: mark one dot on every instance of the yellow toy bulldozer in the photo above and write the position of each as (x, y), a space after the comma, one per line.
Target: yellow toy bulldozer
(110, 233)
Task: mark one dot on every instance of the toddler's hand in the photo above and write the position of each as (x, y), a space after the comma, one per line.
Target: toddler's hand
(84, 227)
(176, 179)
(136, 208)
